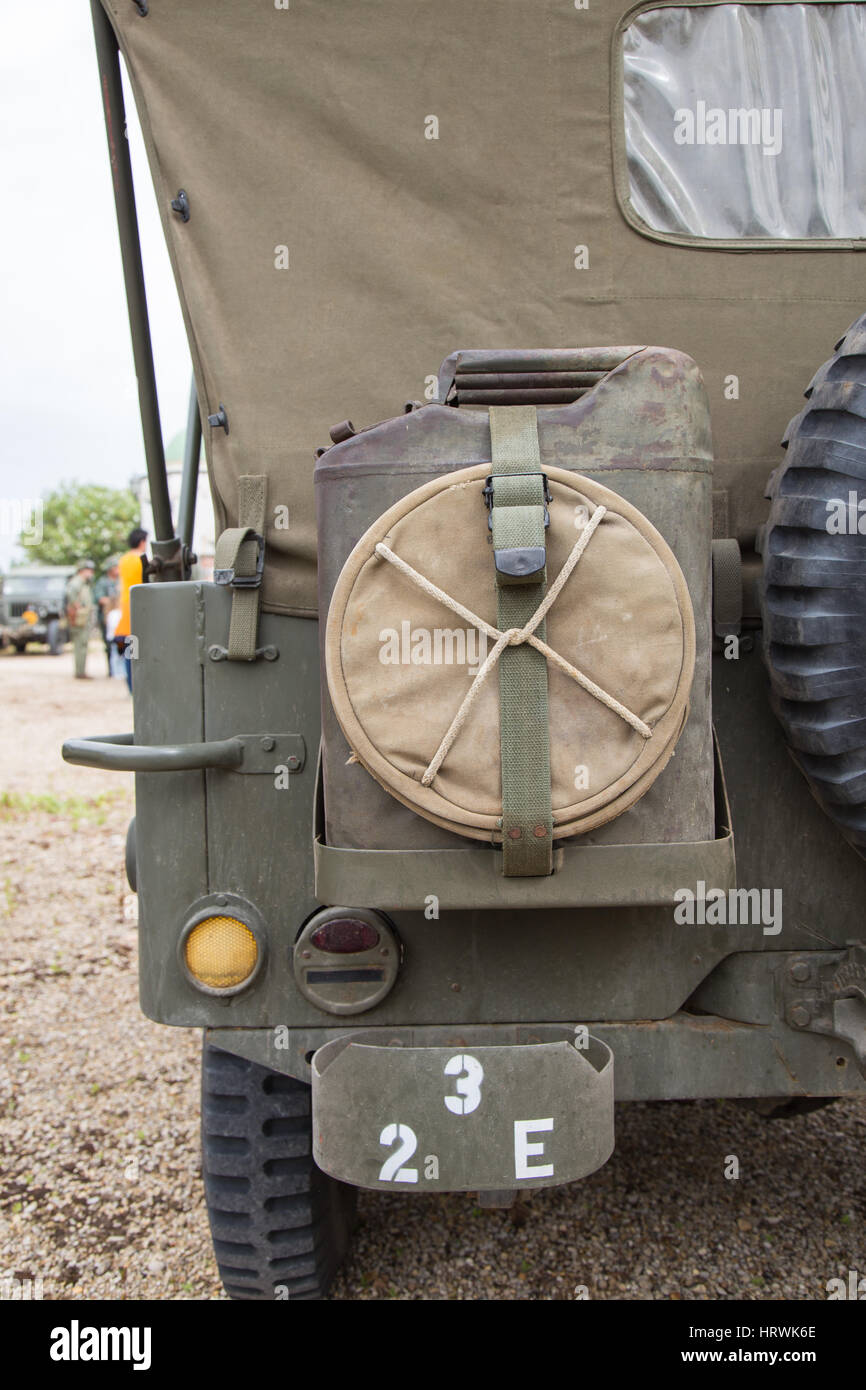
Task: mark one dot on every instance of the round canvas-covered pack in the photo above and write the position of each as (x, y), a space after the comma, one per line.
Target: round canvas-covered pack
(413, 646)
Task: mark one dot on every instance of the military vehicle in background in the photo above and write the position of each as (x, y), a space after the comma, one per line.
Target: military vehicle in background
(34, 607)
(434, 918)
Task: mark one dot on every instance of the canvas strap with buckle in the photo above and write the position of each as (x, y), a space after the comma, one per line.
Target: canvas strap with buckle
(518, 497)
(239, 563)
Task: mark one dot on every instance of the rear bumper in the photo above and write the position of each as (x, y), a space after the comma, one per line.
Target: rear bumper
(685, 1057)
(492, 1109)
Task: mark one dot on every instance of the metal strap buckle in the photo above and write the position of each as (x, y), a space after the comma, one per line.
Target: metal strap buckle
(487, 492)
(245, 581)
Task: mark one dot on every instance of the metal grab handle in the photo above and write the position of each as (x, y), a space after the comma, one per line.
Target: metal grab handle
(120, 753)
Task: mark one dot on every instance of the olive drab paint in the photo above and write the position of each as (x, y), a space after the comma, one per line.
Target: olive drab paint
(499, 215)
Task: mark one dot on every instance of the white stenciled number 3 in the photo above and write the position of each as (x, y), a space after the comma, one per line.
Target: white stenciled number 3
(391, 1170)
(470, 1074)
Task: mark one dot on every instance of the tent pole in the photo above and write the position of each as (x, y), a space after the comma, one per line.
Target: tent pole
(189, 478)
(166, 547)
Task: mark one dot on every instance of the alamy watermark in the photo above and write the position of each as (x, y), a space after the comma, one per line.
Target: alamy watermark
(14, 1288)
(21, 517)
(439, 646)
(77, 1343)
(711, 125)
(853, 1287)
(846, 518)
(734, 907)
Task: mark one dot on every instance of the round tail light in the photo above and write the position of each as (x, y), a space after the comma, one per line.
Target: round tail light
(346, 959)
(344, 936)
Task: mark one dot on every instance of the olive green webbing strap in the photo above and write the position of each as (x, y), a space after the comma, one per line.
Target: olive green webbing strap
(237, 554)
(517, 522)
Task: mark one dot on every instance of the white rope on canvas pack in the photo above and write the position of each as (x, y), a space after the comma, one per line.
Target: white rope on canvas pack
(513, 637)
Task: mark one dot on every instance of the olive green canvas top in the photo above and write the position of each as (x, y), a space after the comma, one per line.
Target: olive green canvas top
(374, 185)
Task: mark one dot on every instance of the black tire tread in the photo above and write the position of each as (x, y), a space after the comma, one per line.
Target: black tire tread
(280, 1226)
(813, 589)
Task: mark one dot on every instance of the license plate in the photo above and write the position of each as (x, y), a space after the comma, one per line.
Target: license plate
(462, 1118)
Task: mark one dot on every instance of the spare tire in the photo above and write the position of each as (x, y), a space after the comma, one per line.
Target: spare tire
(813, 589)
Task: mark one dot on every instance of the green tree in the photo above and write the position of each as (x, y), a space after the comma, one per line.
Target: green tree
(82, 519)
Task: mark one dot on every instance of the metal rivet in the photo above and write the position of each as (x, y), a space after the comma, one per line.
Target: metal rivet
(540, 832)
(799, 1016)
(180, 204)
(515, 834)
(221, 901)
(268, 744)
(456, 988)
(800, 971)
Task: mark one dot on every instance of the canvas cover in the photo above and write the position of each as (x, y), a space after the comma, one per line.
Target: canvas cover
(401, 664)
(372, 185)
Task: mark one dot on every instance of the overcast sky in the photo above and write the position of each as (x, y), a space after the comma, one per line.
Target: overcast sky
(68, 399)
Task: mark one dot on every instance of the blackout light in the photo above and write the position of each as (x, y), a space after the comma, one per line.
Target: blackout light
(346, 959)
(344, 936)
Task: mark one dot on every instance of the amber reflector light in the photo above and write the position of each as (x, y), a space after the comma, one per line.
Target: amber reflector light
(221, 952)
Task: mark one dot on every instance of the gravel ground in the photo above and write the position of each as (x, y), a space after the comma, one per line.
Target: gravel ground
(100, 1194)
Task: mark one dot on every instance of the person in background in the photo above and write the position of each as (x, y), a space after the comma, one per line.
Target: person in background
(79, 614)
(106, 592)
(130, 572)
(118, 665)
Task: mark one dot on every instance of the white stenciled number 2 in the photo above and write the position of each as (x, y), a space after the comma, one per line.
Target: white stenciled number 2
(470, 1074)
(391, 1171)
